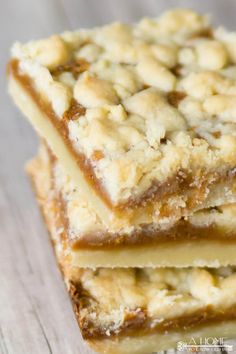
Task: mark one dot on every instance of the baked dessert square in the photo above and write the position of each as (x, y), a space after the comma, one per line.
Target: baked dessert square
(171, 242)
(142, 116)
(148, 309)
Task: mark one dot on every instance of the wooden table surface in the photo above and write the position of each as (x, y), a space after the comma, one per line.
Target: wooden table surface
(35, 313)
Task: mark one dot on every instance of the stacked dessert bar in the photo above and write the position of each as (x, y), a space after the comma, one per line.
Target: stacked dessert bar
(136, 175)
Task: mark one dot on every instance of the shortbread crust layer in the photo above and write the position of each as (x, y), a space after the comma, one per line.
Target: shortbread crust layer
(139, 130)
(91, 245)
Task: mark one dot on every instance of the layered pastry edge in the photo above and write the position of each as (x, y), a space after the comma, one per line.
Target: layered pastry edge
(106, 249)
(142, 117)
(147, 306)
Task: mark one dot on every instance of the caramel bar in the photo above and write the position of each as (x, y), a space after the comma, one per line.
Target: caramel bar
(148, 309)
(142, 117)
(195, 241)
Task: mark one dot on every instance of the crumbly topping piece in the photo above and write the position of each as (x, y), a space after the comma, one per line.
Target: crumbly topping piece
(223, 106)
(93, 92)
(229, 40)
(177, 24)
(160, 116)
(49, 52)
(223, 216)
(124, 77)
(211, 55)
(119, 75)
(163, 294)
(206, 83)
(155, 74)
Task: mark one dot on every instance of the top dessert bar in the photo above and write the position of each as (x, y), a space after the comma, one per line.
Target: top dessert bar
(139, 115)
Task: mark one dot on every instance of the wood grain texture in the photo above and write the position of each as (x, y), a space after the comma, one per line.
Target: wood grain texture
(35, 313)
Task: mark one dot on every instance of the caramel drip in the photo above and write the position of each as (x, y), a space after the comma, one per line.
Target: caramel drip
(175, 97)
(75, 67)
(74, 112)
(205, 33)
(176, 70)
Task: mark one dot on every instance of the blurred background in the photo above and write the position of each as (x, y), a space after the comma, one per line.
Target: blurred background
(27, 19)
(35, 314)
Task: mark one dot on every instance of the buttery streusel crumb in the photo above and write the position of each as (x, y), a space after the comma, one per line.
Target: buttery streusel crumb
(158, 294)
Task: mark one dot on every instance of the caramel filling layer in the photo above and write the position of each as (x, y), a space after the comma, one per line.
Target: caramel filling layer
(194, 186)
(182, 232)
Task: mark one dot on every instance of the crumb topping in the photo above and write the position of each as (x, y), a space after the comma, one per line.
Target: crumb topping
(161, 294)
(154, 98)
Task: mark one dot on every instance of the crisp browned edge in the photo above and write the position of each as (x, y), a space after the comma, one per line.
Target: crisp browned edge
(136, 322)
(179, 183)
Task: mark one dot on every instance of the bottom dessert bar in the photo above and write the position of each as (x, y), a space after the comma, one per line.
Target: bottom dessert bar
(195, 241)
(139, 311)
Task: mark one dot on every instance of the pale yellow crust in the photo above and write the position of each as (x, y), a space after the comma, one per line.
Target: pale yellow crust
(184, 254)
